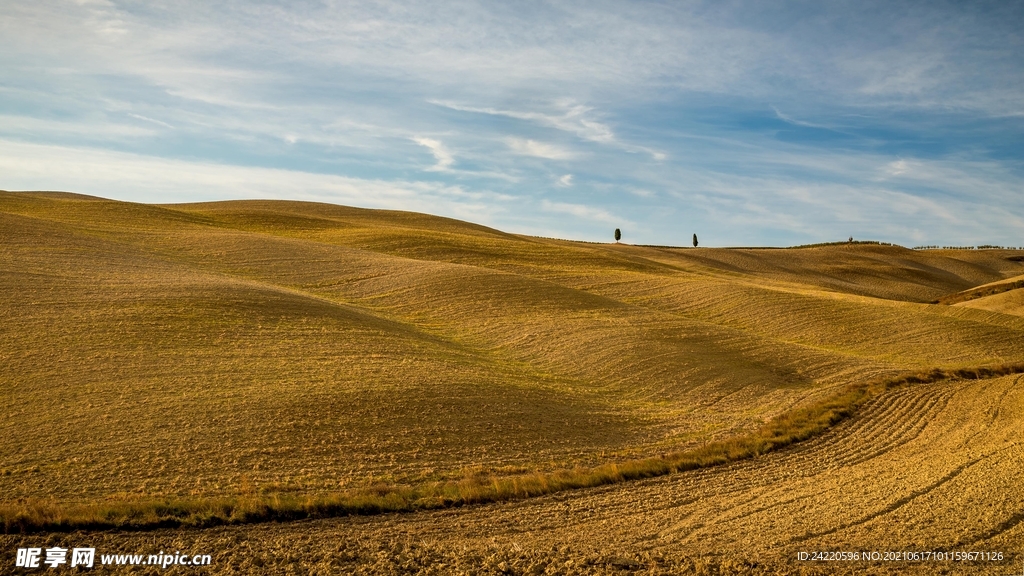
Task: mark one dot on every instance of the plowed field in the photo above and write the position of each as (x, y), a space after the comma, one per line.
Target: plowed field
(927, 468)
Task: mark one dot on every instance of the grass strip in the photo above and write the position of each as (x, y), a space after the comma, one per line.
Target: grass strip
(975, 293)
(784, 430)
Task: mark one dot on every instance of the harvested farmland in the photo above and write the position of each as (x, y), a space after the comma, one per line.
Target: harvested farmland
(294, 351)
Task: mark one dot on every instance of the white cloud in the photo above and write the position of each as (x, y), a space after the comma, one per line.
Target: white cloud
(590, 52)
(349, 81)
(641, 192)
(150, 120)
(138, 178)
(981, 182)
(441, 154)
(817, 194)
(565, 180)
(896, 168)
(91, 128)
(574, 119)
(794, 121)
(526, 147)
(584, 212)
(445, 160)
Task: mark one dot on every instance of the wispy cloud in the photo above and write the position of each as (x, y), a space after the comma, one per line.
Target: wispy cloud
(441, 154)
(140, 178)
(527, 147)
(896, 167)
(584, 212)
(150, 120)
(791, 120)
(573, 119)
(445, 161)
(655, 112)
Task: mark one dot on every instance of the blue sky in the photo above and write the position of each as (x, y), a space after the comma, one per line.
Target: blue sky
(749, 123)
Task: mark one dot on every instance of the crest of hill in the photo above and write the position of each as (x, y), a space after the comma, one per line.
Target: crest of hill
(1009, 302)
(1005, 297)
(310, 216)
(881, 271)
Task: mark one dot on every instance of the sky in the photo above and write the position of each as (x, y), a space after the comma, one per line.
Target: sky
(747, 123)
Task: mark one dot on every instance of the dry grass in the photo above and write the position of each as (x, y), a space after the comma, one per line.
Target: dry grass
(478, 488)
(195, 354)
(980, 292)
(925, 466)
(1011, 303)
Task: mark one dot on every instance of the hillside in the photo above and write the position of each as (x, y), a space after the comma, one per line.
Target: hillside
(1003, 296)
(311, 346)
(1008, 302)
(264, 347)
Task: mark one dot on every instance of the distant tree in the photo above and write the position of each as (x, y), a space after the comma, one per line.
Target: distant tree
(694, 240)
(851, 240)
(618, 235)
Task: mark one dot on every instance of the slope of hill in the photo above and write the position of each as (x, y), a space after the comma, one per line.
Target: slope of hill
(1004, 302)
(231, 347)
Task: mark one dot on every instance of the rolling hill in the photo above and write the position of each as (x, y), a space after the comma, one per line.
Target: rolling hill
(271, 347)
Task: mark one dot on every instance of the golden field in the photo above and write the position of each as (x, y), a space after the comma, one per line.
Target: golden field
(268, 351)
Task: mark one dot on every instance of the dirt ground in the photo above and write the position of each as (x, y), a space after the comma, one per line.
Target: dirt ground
(924, 469)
